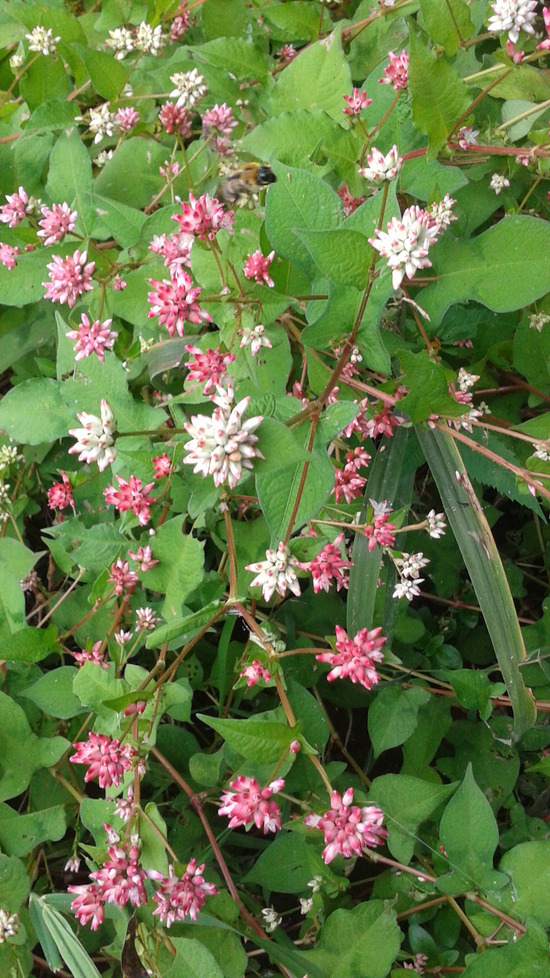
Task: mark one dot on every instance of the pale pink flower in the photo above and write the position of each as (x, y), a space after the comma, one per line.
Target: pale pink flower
(544, 45)
(170, 170)
(406, 243)
(248, 803)
(124, 806)
(276, 572)
(380, 531)
(257, 265)
(441, 213)
(179, 24)
(88, 905)
(122, 577)
(355, 658)
(356, 102)
(327, 566)
(121, 878)
(107, 759)
(146, 620)
(513, 53)
(95, 441)
(69, 278)
(222, 146)
(161, 466)
(126, 118)
(176, 250)
(175, 118)
(223, 445)
(466, 137)
(513, 16)
(437, 524)
(149, 39)
(60, 495)
(347, 828)
(174, 302)
(498, 183)
(396, 73)
(144, 557)
(287, 52)
(254, 672)
(349, 202)
(96, 655)
(181, 897)
(118, 284)
(347, 481)
(132, 495)
(208, 367)
(91, 338)
(17, 207)
(56, 222)
(204, 217)
(72, 865)
(382, 423)
(8, 255)
(382, 167)
(254, 338)
(219, 117)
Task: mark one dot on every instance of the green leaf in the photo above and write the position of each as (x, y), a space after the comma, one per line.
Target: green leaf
(341, 254)
(258, 741)
(12, 605)
(439, 96)
(180, 569)
(528, 894)
(407, 802)
(29, 645)
(70, 948)
(193, 960)
(53, 693)
(132, 174)
(70, 176)
(296, 20)
(186, 626)
(107, 75)
(22, 421)
(153, 852)
(19, 834)
(504, 268)
(447, 23)
(299, 201)
(393, 716)
(53, 115)
(235, 55)
(469, 834)
(473, 689)
(14, 883)
(526, 956)
(277, 492)
(429, 388)
(287, 865)
(115, 219)
(23, 752)
(482, 559)
(22, 285)
(315, 80)
(361, 943)
(95, 687)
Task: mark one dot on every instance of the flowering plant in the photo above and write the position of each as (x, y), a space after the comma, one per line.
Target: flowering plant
(274, 463)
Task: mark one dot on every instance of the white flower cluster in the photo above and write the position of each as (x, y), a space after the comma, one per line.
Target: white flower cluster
(95, 440)
(382, 167)
(42, 40)
(276, 572)
(147, 39)
(407, 242)
(513, 16)
(189, 88)
(437, 524)
(409, 566)
(221, 446)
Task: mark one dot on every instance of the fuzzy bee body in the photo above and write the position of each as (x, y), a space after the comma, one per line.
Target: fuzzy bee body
(248, 179)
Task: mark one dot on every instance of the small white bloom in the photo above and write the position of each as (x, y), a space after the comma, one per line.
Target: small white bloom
(538, 320)
(406, 243)
(271, 919)
(437, 524)
(121, 41)
(149, 40)
(465, 380)
(102, 122)
(513, 16)
(103, 157)
(189, 87)
(42, 40)
(498, 183)
(407, 589)
(221, 446)
(95, 440)
(72, 865)
(254, 338)
(467, 136)
(16, 62)
(542, 453)
(9, 925)
(276, 572)
(316, 884)
(442, 212)
(412, 564)
(9, 456)
(306, 904)
(382, 167)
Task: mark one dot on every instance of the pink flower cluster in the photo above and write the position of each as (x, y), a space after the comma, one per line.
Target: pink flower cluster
(60, 495)
(120, 879)
(254, 672)
(355, 658)
(327, 566)
(347, 828)
(181, 897)
(204, 217)
(380, 531)
(17, 207)
(8, 255)
(174, 302)
(96, 655)
(347, 481)
(248, 803)
(208, 367)
(219, 117)
(257, 265)
(122, 577)
(396, 73)
(91, 338)
(56, 222)
(70, 277)
(356, 102)
(132, 495)
(108, 760)
(175, 118)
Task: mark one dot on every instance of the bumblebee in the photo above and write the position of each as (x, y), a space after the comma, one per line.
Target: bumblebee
(248, 179)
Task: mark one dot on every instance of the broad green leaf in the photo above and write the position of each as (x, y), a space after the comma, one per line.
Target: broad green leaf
(70, 177)
(132, 175)
(193, 960)
(14, 883)
(235, 55)
(20, 834)
(53, 693)
(47, 943)
(186, 626)
(12, 608)
(428, 388)
(439, 96)
(299, 201)
(153, 852)
(482, 559)
(297, 20)
(341, 254)
(22, 285)
(361, 943)
(107, 75)
(473, 690)
(278, 491)
(393, 716)
(21, 420)
(95, 687)
(315, 80)
(526, 956)
(407, 803)
(115, 219)
(469, 835)
(321, 137)
(447, 23)
(180, 569)
(23, 752)
(528, 894)
(504, 268)
(258, 741)
(287, 864)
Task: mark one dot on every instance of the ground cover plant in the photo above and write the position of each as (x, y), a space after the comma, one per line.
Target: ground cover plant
(274, 464)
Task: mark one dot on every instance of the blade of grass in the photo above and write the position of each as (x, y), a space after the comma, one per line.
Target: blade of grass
(483, 563)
